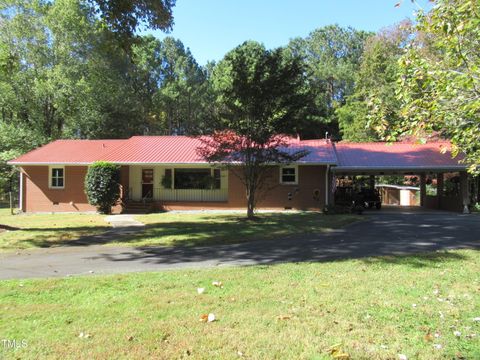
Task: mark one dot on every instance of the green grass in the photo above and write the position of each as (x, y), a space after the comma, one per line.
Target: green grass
(287, 311)
(172, 229)
(216, 228)
(45, 230)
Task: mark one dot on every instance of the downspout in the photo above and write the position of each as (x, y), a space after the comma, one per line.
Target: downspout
(20, 195)
(327, 187)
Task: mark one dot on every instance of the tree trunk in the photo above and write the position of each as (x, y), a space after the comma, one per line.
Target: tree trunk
(250, 203)
(250, 209)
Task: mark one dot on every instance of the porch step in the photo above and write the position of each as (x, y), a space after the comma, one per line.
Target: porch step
(137, 207)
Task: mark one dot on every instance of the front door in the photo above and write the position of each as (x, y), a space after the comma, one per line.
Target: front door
(147, 183)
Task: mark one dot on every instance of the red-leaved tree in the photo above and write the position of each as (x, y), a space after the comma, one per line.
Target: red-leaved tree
(250, 160)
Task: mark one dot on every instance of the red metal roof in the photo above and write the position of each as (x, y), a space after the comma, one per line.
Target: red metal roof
(319, 151)
(183, 150)
(157, 150)
(68, 152)
(378, 155)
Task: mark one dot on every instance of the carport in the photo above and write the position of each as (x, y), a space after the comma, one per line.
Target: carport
(422, 160)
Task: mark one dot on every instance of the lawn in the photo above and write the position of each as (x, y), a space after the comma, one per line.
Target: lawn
(45, 230)
(224, 228)
(171, 229)
(421, 306)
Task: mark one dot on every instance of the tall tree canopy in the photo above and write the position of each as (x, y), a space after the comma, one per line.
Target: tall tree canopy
(125, 16)
(332, 57)
(64, 73)
(260, 93)
(440, 89)
(373, 106)
(184, 92)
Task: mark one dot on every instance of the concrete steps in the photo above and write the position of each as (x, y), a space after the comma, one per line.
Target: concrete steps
(137, 207)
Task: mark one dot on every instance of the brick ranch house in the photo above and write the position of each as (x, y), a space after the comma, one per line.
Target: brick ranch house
(166, 171)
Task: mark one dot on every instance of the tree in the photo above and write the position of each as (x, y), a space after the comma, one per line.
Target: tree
(183, 91)
(260, 97)
(332, 57)
(440, 88)
(124, 17)
(373, 106)
(102, 185)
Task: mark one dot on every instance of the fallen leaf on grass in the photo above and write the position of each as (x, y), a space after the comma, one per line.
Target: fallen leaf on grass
(337, 352)
(428, 337)
(284, 317)
(207, 317)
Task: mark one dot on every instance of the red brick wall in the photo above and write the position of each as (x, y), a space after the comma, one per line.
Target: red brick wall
(38, 197)
(309, 178)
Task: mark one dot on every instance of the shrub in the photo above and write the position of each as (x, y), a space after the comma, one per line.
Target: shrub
(102, 185)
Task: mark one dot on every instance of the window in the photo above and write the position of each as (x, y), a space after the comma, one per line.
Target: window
(167, 179)
(217, 179)
(57, 178)
(288, 175)
(193, 179)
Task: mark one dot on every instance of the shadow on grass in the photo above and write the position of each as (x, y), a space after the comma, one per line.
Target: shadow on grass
(420, 260)
(210, 230)
(9, 228)
(50, 237)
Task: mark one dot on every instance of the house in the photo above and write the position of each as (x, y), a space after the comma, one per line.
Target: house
(167, 172)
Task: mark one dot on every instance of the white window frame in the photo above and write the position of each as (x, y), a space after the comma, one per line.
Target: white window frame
(50, 171)
(296, 175)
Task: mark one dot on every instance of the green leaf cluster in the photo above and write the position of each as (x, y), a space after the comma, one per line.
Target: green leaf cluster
(440, 88)
(102, 185)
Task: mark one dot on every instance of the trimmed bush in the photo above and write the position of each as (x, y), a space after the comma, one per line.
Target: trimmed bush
(102, 185)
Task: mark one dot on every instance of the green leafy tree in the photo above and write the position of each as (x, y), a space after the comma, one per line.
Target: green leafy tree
(373, 106)
(332, 57)
(184, 91)
(440, 89)
(102, 185)
(259, 96)
(125, 17)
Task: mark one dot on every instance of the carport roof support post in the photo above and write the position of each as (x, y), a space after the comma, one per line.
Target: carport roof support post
(440, 184)
(464, 191)
(423, 189)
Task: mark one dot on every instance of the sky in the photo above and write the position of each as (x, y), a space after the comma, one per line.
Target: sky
(211, 28)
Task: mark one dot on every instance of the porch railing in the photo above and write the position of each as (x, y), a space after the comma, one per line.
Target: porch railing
(196, 195)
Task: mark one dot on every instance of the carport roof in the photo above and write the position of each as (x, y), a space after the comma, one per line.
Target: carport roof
(402, 156)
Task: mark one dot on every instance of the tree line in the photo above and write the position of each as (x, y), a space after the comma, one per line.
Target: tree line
(79, 69)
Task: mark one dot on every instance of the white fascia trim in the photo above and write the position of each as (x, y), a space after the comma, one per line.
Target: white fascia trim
(368, 168)
(47, 164)
(155, 163)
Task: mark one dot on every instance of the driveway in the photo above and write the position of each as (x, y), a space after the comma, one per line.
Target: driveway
(384, 233)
